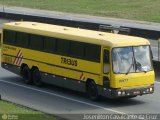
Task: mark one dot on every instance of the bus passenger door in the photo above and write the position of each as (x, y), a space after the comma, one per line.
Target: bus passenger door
(106, 68)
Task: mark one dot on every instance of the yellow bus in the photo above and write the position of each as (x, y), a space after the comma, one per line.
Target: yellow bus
(0, 37)
(98, 63)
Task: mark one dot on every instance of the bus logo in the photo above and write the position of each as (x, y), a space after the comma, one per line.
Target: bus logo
(19, 58)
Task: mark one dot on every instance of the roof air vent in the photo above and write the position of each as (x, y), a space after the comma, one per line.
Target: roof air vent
(17, 23)
(101, 34)
(65, 29)
(34, 24)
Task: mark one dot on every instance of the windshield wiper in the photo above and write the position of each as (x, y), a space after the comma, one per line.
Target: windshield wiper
(129, 68)
(137, 65)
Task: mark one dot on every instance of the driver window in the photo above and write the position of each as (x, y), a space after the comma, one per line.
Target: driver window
(106, 62)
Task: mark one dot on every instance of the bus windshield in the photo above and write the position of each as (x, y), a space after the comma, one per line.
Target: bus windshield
(131, 59)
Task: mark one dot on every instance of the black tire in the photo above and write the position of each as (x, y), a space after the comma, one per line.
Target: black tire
(92, 91)
(37, 77)
(26, 74)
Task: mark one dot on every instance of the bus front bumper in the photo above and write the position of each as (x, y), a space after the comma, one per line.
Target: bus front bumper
(117, 93)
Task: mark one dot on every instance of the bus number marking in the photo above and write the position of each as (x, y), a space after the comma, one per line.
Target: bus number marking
(69, 61)
(123, 80)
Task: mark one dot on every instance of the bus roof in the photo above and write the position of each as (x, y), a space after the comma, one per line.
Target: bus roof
(76, 34)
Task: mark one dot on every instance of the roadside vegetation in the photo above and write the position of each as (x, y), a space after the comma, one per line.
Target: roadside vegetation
(13, 111)
(145, 10)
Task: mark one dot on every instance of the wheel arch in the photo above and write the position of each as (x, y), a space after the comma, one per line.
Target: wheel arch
(33, 68)
(87, 82)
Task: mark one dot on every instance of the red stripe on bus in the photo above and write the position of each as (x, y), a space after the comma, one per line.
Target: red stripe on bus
(20, 53)
(19, 60)
(16, 57)
(81, 76)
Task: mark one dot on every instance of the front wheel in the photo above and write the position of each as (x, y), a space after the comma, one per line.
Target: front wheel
(92, 91)
(37, 78)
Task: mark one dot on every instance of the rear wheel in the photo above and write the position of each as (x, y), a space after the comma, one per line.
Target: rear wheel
(26, 74)
(37, 77)
(92, 91)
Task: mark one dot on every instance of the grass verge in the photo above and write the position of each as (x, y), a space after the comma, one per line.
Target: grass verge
(13, 111)
(146, 10)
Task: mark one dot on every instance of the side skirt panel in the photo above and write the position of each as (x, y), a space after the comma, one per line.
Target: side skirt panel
(63, 82)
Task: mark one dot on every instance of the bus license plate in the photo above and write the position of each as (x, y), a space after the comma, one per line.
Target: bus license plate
(136, 92)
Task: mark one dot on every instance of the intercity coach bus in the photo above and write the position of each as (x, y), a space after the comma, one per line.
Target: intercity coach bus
(98, 63)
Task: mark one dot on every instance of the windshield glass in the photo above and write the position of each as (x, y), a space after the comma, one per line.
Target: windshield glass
(131, 59)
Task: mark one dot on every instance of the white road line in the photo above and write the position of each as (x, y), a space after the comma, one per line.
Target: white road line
(64, 97)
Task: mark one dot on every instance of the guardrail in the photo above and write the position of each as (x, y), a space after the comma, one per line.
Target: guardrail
(140, 32)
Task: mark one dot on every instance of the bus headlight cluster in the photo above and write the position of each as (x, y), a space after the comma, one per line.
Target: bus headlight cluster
(148, 90)
(121, 93)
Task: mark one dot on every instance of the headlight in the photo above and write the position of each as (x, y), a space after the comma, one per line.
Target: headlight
(119, 93)
(123, 93)
(151, 89)
(147, 90)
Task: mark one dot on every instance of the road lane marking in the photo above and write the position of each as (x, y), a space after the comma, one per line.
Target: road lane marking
(64, 97)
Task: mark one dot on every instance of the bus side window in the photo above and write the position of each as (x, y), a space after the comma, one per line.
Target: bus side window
(9, 37)
(36, 42)
(49, 44)
(106, 62)
(22, 39)
(62, 46)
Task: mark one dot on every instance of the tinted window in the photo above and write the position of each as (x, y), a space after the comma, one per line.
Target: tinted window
(106, 61)
(92, 52)
(77, 49)
(22, 39)
(36, 42)
(62, 46)
(49, 44)
(9, 36)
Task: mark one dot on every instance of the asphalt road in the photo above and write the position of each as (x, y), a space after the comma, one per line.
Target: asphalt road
(63, 102)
